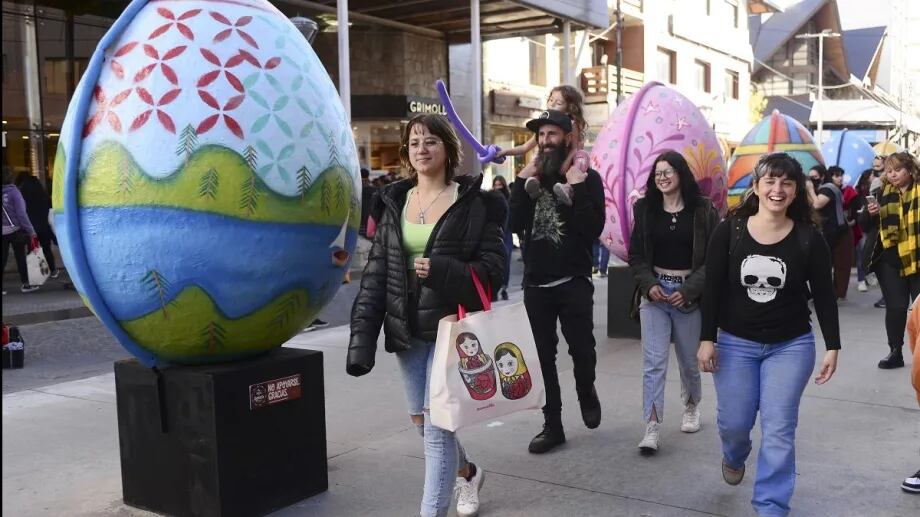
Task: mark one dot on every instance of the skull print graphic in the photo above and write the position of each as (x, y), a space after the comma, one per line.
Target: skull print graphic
(763, 277)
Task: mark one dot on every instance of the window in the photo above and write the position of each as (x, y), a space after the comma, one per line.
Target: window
(667, 65)
(733, 11)
(702, 76)
(731, 84)
(537, 62)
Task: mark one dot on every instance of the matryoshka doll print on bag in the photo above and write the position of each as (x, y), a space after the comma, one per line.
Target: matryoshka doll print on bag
(475, 367)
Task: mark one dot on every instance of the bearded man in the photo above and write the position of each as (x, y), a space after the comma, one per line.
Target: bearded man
(557, 269)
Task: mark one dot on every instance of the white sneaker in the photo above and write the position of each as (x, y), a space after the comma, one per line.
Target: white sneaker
(649, 444)
(862, 287)
(468, 494)
(690, 421)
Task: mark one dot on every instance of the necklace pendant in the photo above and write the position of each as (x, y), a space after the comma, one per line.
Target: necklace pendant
(421, 218)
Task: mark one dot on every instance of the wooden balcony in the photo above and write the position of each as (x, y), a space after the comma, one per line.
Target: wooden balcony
(598, 82)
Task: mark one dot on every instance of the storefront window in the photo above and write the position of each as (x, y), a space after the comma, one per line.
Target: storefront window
(46, 49)
(378, 145)
(506, 138)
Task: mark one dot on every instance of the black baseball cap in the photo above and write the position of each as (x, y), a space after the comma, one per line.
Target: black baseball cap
(554, 117)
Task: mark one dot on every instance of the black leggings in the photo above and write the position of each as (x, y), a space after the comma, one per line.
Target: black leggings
(19, 240)
(898, 292)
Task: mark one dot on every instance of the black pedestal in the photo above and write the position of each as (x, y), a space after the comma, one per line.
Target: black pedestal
(620, 287)
(232, 439)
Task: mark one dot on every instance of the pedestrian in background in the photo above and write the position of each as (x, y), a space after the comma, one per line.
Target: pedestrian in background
(826, 195)
(857, 206)
(434, 231)
(17, 229)
(911, 484)
(38, 206)
(667, 254)
(601, 259)
(892, 225)
(501, 186)
(759, 266)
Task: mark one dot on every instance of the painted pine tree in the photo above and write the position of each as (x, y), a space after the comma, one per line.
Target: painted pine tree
(325, 198)
(249, 198)
(188, 142)
(333, 152)
(286, 309)
(251, 156)
(214, 335)
(303, 181)
(158, 287)
(125, 176)
(209, 184)
(340, 193)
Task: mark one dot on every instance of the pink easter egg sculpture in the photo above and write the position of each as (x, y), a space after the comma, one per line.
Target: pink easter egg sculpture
(654, 120)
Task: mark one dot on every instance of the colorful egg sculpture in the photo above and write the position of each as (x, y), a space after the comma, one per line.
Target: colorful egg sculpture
(850, 152)
(653, 120)
(206, 190)
(774, 133)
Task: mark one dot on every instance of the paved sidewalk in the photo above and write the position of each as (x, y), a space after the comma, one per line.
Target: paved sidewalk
(858, 438)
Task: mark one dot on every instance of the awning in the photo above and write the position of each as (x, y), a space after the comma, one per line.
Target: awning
(862, 113)
(451, 18)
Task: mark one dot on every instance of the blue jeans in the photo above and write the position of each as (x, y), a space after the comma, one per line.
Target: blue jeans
(661, 324)
(601, 256)
(443, 453)
(860, 249)
(768, 378)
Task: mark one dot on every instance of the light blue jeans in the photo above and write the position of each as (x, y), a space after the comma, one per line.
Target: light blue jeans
(769, 378)
(443, 453)
(661, 324)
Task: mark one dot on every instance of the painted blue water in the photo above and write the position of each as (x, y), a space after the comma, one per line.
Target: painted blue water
(242, 265)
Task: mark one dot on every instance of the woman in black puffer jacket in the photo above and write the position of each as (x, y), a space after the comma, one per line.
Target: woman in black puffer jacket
(434, 230)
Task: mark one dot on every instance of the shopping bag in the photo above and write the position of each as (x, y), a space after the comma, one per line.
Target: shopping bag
(37, 266)
(485, 365)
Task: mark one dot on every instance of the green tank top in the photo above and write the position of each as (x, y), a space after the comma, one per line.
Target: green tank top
(415, 235)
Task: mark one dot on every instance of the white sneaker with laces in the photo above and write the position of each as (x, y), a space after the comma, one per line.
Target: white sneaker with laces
(468, 494)
(649, 443)
(862, 287)
(690, 421)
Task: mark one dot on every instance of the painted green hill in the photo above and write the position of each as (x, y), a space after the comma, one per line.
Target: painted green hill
(191, 328)
(213, 179)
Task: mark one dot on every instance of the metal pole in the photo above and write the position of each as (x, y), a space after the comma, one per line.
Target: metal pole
(344, 65)
(819, 105)
(619, 54)
(566, 43)
(820, 132)
(476, 92)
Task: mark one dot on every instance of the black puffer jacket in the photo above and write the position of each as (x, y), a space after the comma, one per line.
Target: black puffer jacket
(468, 234)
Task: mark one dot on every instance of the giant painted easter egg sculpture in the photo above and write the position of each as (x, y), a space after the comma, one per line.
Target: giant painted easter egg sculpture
(850, 152)
(654, 120)
(206, 182)
(774, 133)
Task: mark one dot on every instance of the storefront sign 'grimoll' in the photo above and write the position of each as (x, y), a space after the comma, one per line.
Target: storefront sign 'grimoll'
(418, 105)
(269, 393)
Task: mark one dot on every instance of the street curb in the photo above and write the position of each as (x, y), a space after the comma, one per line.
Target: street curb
(31, 318)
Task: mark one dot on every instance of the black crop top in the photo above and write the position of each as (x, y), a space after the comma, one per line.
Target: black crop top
(673, 241)
(760, 292)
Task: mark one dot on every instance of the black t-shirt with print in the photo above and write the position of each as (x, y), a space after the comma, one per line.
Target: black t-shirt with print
(560, 238)
(760, 292)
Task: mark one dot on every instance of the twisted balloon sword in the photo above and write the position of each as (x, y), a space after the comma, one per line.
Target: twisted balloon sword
(485, 153)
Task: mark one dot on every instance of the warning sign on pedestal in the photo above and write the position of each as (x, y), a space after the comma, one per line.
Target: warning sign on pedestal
(273, 392)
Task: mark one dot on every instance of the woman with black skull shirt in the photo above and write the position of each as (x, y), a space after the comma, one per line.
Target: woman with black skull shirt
(760, 263)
